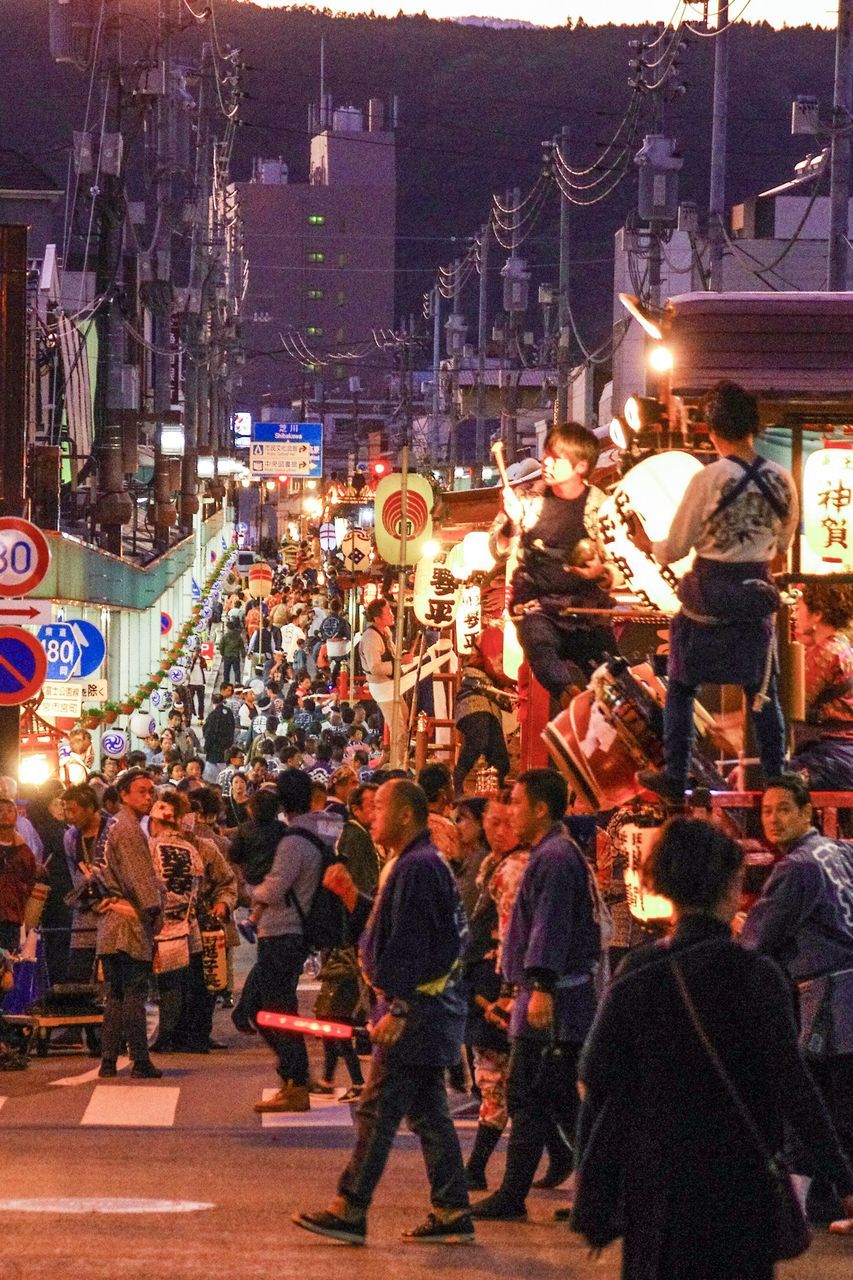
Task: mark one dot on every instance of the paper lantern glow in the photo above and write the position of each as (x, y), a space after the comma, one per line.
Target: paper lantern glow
(437, 595)
(828, 505)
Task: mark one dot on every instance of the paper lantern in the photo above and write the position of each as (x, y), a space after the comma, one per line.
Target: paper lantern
(455, 562)
(476, 555)
(469, 621)
(437, 595)
(356, 547)
(114, 743)
(652, 490)
(634, 840)
(177, 674)
(142, 723)
(389, 517)
(513, 654)
(328, 537)
(828, 505)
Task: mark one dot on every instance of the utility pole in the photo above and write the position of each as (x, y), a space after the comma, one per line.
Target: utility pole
(13, 397)
(115, 506)
(563, 337)
(161, 291)
(436, 372)
(511, 432)
(719, 135)
(453, 443)
(481, 445)
(839, 173)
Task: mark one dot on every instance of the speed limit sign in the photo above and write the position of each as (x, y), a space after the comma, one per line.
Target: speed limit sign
(24, 556)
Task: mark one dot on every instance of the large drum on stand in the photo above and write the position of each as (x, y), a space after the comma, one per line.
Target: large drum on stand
(614, 728)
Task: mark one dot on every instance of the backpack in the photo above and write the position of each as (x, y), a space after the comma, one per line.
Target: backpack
(324, 924)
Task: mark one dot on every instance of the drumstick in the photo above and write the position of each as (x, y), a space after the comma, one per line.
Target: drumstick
(500, 461)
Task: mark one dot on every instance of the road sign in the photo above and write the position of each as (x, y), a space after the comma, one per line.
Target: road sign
(26, 613)
(287, 449)
(22, 666)
(208, 651)
(74, 649)
(165, 623)
(24, 556)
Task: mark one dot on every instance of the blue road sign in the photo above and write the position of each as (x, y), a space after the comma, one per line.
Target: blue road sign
(74, 649)
(22, 666)
(287, 448)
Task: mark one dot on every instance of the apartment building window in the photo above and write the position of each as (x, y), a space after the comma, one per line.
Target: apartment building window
(316, 220)
(314, 295)
(316, 255)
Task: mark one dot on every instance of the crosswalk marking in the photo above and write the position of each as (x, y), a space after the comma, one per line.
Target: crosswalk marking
(85, 1077)
(132, 1106)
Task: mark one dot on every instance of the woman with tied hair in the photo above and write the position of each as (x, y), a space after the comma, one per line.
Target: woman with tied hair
(696, 1195)
(824, 744)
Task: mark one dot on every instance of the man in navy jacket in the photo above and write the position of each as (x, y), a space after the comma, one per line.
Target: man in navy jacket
(550, 957)
(410, 954)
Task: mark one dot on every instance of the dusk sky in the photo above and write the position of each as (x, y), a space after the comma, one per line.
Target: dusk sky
(555, 12)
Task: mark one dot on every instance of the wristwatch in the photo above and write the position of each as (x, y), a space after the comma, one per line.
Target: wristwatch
(398, 1010)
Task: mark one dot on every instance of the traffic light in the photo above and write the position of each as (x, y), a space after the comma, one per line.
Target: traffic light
(380, 468)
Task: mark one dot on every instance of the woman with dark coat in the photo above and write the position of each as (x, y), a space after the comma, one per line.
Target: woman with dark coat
(47, 815)
(696, 1199)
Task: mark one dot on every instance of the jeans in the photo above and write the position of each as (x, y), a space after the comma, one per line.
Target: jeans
(560, 654)
(679, 730)
(396, 1091)
(482, 735)
(543, 1107)
(231, 671)
(195, 693)
(280, 962)
(124, 1013)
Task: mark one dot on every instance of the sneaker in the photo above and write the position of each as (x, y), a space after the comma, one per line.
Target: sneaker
(661, 784)
(107, 1070)
(352, 1094)
(498, 1207)
(334, 1228)
(146, 1071)
(290, 1097)
(321, 1088)
(459, 1230)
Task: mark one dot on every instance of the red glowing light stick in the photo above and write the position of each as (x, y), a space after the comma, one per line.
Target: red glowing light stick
(306, 1026)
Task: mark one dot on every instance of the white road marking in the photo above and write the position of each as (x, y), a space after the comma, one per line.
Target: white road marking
(325, 1113)
(132, 1106)
(78, 1204)
(86, 1076)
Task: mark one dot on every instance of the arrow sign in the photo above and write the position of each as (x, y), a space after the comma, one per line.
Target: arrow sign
(27, 613)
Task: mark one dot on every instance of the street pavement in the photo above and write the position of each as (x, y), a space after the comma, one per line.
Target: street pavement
(224, 1181)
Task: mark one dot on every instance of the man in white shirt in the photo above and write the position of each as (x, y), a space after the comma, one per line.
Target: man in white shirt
(376, 649)
(738, 514)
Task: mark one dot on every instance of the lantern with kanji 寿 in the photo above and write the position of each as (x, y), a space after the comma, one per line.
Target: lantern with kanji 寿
(437, 595)
(828, 505)
(468, 620)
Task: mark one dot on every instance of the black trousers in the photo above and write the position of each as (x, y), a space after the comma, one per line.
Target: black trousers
(124, 1014)
(482, 735)
(276, 976)
(560, 654)
(186, 1008)
(396, 1091)
(335, 1049)
(543, 1105)
(196, 694)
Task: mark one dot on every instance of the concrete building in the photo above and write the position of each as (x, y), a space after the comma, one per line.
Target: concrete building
(321, 267)
(777, 241)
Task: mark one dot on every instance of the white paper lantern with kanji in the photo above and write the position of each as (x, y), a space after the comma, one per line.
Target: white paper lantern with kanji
(652, 490)
(437, 595)
(469, 621)
(828, 505)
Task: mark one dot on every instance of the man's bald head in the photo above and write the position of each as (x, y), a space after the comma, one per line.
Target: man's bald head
(401, 813)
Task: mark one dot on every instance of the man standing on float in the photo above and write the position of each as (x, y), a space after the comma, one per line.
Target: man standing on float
(738, 514)
(560, 564)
